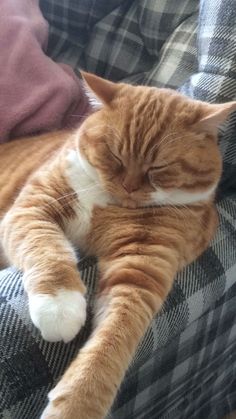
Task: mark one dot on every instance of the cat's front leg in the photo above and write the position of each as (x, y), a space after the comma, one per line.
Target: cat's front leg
(36, 244)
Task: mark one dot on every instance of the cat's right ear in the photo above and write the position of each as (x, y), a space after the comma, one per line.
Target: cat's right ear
(105, 90)
(215, 115)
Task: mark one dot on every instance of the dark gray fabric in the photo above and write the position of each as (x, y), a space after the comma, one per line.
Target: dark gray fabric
(185, 367)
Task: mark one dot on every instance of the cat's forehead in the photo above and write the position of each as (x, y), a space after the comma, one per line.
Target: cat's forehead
(152, 109)
(146, 116)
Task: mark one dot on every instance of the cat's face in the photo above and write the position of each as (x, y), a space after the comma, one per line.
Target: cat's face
(152, 146)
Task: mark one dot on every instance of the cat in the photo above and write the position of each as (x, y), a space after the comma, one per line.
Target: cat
(135, 186)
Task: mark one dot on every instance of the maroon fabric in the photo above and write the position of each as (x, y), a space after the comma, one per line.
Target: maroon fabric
(36, 94)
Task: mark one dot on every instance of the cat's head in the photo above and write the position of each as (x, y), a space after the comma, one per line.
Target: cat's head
(150, 146)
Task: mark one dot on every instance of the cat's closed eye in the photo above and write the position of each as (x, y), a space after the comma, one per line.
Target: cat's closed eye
(158, 167)
(155, 172)
(116, 158)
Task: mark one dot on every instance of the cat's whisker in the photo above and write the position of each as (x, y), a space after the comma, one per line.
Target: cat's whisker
(81, 259)
(177, 212)
(62, 205)
(80, 115)
(170, 141)
(156, 146)
(203, 224)
(187, 220)
(73, 196)
(177, 139)
(65, 196)
(94, 185)
(177, 209)
(165, 137)
(174, 139)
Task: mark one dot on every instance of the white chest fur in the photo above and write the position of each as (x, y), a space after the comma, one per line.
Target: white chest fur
(83, 179)
(180, 197)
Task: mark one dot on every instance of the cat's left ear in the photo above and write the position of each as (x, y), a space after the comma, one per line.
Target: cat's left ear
(105, 90)
(214, 116)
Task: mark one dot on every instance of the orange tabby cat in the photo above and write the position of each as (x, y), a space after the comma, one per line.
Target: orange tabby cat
(135, 186)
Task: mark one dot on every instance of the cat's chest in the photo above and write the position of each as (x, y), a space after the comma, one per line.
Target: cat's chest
(90, 195)
(79, 227)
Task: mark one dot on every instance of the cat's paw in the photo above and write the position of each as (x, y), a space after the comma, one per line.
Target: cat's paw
(60, 316)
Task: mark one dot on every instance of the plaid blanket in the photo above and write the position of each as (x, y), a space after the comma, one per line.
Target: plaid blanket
(185, 366)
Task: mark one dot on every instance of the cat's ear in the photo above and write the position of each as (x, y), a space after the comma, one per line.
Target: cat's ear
(214, 116)
(105, 90)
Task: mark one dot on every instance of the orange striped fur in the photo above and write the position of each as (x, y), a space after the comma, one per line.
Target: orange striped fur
(135, 186)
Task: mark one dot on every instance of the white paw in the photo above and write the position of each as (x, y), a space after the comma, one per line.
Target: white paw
(58, 317)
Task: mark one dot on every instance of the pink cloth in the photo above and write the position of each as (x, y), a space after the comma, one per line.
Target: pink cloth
(36, 94)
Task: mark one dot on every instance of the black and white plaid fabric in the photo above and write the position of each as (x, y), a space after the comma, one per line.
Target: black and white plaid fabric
(186, 365)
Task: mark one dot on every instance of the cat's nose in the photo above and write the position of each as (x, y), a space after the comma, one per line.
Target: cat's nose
(129, 187)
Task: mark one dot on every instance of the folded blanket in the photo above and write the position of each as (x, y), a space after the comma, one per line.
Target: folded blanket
(36, 94)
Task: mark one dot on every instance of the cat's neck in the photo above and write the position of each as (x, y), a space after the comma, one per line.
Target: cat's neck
(84, 180)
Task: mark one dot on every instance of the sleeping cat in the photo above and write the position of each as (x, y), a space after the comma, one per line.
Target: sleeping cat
(135, 186)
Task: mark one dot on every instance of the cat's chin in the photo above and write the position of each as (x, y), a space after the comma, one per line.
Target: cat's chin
(129, 203)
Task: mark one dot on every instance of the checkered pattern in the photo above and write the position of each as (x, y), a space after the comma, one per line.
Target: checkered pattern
(186, 365)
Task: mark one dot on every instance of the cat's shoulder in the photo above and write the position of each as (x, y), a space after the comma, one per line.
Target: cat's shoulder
(21, 158)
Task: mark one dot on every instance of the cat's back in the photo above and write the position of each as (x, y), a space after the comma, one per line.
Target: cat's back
(20, 158)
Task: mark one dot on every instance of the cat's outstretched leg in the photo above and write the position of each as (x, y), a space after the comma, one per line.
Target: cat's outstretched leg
(34, 241)
(130, 296)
